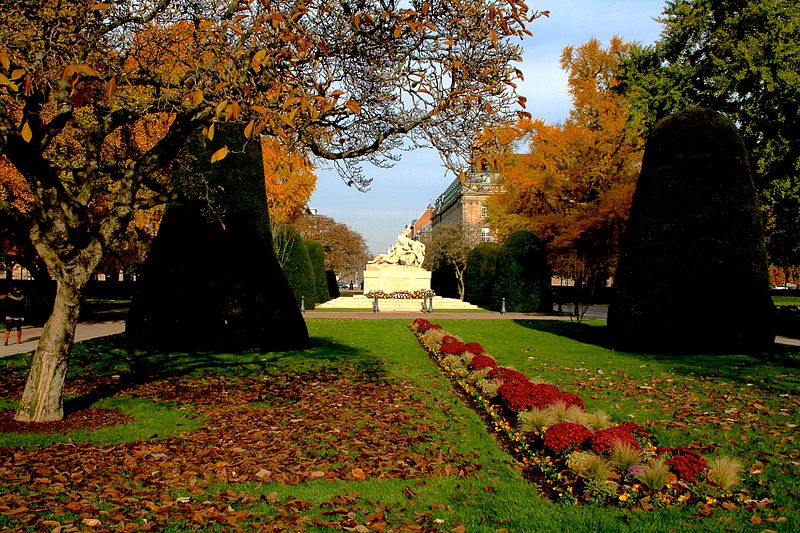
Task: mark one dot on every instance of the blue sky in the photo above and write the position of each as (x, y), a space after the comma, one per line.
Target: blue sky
(400, 194)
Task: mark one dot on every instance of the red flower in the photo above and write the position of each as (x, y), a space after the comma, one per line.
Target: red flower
(474, 347)
(565, 436)
(482, 361)
(520, 394)
(422, 325)
(448, 338)
(686, 463)
(452, 348)
(504, 374)
(603, 441)
(517, 394)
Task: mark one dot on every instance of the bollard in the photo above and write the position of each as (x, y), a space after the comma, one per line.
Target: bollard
(302, 305)
(430, 304)
(375, 305)
(425, 304)
(503, 307)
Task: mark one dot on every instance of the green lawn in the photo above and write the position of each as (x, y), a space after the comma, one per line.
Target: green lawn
(786, 300)
(363, 429)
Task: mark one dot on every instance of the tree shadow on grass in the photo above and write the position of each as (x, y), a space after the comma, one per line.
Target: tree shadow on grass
(778, 371)
(117, 369)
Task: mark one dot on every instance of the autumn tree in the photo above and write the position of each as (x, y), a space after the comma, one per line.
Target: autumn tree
(740, 58)
(290, 179)
(345, 81)
(573, 187)
(449, 247)
(346, 251)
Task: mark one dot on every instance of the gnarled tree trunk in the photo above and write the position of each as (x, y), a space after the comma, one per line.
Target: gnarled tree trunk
(43, 397)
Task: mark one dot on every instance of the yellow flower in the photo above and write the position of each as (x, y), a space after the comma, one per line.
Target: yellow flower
(636, 487)
(683, 497)
(623, 497)
(711, 501)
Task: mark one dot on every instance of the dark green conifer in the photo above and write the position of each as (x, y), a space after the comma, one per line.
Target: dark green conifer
(317, 255)
(480, 274)
(522, 275)
(692, 273)
(211, 281)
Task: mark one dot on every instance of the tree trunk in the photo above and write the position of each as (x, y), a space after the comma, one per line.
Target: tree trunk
(43, 398)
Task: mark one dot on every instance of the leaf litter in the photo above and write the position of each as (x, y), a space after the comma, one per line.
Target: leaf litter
(329, 424)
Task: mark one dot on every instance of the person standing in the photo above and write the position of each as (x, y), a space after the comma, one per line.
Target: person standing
(15, 314)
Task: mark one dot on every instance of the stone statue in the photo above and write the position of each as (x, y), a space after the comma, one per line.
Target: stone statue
(405, 252)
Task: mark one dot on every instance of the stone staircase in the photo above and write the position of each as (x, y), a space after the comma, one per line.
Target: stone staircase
(360, 301)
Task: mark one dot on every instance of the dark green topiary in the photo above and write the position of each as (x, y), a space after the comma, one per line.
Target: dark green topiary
(692, 274)
(317, 254)
(211, 280)
(299, 271)
(444, 281)
(479, 274)
(333, 285)
(522, 275)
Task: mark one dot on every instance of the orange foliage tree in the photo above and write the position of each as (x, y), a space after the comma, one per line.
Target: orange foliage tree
(346, 251)
(574, 185)
(346, 81)
(290, 180)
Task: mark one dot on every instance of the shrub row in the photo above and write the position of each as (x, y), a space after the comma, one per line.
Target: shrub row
(305, 271)
(516, 271)
(576, 455)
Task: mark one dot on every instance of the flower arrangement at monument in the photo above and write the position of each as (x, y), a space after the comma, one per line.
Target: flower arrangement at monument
(401, 295)
(575, 455)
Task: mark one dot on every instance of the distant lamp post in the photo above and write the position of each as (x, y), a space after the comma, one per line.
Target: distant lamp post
(375, 305)
(503, 307)
(430, 304)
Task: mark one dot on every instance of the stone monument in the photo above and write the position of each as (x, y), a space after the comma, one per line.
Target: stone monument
(400, 269)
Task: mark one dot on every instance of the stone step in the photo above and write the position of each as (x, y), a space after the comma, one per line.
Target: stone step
(391, 304)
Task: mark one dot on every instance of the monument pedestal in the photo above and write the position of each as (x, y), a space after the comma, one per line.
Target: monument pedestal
(392, 278)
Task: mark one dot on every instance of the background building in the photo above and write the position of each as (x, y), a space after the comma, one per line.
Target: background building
(421, 227)
(465, 203)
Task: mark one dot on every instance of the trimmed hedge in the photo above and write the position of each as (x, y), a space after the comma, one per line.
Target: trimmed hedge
(522, 275)
(444, 282)
(211, 281)
(333, 286)
(694, 228)
(317, 255)
(299, 272)
(480, 273)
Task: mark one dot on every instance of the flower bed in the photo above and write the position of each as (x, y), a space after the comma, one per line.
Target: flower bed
(572, 454)
(401, 295)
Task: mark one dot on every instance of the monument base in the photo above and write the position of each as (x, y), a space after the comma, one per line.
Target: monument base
(393, 278)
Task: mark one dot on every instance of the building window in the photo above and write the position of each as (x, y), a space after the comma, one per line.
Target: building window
(486, 235)
(484, 211)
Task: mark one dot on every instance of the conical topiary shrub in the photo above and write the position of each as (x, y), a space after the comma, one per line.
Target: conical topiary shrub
(316, 253)
(692, 273)
(298, 269)
(479, 274)
(522, 275)
(211, 281)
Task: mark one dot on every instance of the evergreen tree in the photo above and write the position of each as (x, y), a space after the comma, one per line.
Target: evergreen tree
(317, 255)
(211, 280)
(522, 275)
(480, 274)
(298, 269)
(692, 274)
